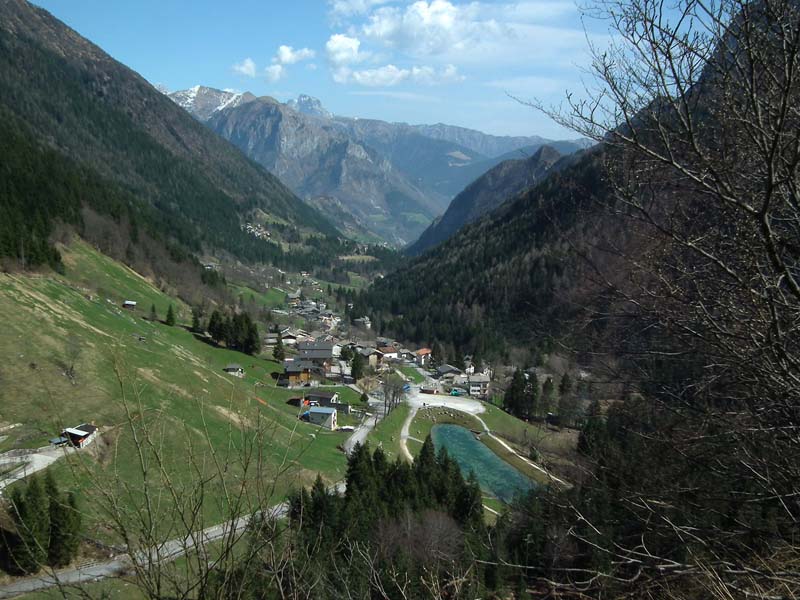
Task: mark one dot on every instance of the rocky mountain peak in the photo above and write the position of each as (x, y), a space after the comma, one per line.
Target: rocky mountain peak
(308, 105)
(203, 102)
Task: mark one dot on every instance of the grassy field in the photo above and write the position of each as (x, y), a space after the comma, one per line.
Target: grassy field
(412, 374)
(132, 375)
(270, 298)
(387, 433)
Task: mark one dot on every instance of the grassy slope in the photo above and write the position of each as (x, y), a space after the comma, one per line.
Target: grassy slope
(387, 433)
(176, 377)
(412, 373)
(270, 298)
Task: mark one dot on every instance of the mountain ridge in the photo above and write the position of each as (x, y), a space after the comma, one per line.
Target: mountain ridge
(374, 179)
(498, 185)
(171, 178)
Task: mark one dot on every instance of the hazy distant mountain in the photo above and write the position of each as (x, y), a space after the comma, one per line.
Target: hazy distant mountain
(435, 166)
(370, 177)
(355, 185)
(487, 144)
(498, 185)
(203, 101)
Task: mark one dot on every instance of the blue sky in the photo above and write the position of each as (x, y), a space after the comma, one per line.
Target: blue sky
(427, 61)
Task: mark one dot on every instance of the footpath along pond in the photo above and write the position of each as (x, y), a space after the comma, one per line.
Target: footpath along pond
(495, 475)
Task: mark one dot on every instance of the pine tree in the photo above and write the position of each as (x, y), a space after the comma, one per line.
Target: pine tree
(439, 354)
(357, 367)
(594, 431)
(215, 327)
(153, 313)
(532, 405)
(565, 387)
(170, 320)
(567, 401)
(278, 352)
(196, 327)
(364, 398)
(251, 342)
(65, 523)
(548, 396)
(31, 516)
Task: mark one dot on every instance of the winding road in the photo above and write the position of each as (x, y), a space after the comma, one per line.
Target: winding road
(119, 565)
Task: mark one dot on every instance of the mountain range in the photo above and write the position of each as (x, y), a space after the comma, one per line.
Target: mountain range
(122, 163)
(373, 179)
(511, 274)
(498, 185)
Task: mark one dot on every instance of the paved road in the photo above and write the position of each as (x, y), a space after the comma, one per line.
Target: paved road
(417, 400)
(168, 551)
(30, 463)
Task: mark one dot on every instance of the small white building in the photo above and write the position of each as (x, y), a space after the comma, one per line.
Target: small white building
(79, 436)
(323, 416)
(129, 304)
(477, 386)
(234, 370)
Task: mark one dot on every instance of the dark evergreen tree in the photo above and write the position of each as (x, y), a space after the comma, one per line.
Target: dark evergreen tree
(31, 515)
(153, 313)
(65, 524)
(278, 352)
(548, 397)
(196, 317)
(170, 320)
(357, 367)
(532, 404)
(216, 327)
(593, 433)
(565, 386)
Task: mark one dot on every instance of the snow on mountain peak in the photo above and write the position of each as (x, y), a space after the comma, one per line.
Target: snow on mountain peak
(203, 101)
(310, 106)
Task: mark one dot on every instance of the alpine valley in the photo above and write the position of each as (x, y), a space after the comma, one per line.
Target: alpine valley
(376, 181)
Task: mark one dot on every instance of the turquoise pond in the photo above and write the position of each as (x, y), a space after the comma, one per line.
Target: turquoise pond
(496, 476)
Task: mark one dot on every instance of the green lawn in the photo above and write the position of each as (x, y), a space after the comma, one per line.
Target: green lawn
(271, 298)
(412, 374)
(172, 382)
(387, 433)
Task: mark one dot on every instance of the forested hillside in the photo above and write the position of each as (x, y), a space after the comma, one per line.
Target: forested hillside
(498, 185)
(510, 276)
(168, 176)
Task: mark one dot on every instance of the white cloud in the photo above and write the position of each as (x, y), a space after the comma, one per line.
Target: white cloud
(343, 50)
(247, 67)
(275, 72)
(477, 33)
(287, 55)
(397, 95)
(385, 76)
(391, 75)
(350, 8)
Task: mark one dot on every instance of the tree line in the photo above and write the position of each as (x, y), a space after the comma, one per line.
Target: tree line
(47, 527)
(237, 331)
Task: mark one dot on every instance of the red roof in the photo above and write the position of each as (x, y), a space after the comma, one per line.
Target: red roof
(387, 350)
(424, 351)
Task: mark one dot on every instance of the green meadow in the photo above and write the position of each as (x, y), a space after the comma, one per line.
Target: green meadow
(149, 385)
